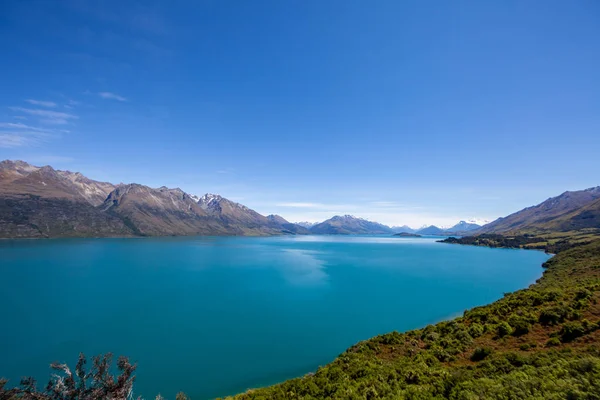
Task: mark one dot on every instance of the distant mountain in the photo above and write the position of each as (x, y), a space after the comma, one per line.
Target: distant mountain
(348, 224)
(44, 202)
(290, 227)
(568, 211)
(306, 224)
(463, 227)
(431, 230)
(403, 228)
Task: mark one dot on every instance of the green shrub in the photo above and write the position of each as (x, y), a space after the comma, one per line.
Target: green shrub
(480, 353)
(582, 294)
(520, 325)
(476, 330)
(463, 337)
(553, 342)
(553, 315)
(503, 329)
(571, 331)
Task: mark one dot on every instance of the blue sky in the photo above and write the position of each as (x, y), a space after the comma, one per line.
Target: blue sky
(402, 112)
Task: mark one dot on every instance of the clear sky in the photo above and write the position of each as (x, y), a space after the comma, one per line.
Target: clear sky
(403, 112)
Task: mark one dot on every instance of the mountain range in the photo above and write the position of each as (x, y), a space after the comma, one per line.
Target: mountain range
(44, 202)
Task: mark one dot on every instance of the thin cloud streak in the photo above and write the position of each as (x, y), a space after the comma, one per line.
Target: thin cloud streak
(111, 96)
(47, 116)
(18, 125)
(41, 103)
(12, 139)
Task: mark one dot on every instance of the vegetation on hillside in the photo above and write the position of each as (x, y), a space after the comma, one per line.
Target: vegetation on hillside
(553, 242)
(536, 343)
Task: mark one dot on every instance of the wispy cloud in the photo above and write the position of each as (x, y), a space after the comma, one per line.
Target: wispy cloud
(111, 96)
(47, 116)
(11, 139)
(18, 125)
(71, 104)
(41, 103)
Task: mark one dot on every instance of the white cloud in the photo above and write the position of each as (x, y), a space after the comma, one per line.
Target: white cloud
(41, 103)
(47, 116)
(111, 96)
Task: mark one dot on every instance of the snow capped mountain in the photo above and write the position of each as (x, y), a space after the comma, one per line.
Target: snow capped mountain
(463, 226)
(209, 200)
(477, 221)
(306, 224)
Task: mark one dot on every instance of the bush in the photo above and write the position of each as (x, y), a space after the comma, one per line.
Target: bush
(476, 330)
(503, 329)
(480, 353)
(553, 342)
(582, 294)
(520, 326)
(553, 315)
(571, 331)
(463, 337)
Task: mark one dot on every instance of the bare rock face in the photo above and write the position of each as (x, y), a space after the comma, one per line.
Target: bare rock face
(162, 211)
(93, 191)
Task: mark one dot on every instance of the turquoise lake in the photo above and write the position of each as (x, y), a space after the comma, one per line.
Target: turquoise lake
(215, 316)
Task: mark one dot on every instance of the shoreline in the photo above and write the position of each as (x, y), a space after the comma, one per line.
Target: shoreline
(404, 346)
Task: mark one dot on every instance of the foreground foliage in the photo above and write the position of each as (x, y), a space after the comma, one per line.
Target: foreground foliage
(98, 383)
(536, 343)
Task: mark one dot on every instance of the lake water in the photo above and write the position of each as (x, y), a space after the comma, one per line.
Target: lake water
(215, 316)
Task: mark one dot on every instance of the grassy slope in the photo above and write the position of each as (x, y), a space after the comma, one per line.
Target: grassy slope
(537, 343)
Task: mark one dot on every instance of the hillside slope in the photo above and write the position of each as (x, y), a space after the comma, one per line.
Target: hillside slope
(553, 214)
(41, 202)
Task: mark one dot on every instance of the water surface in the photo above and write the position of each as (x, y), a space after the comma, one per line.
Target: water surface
(215, 316)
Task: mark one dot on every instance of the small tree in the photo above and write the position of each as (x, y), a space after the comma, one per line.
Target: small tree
(97, 384)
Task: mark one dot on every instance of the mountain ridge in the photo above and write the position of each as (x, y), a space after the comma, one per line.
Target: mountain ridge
(556, 213)
(44, 202)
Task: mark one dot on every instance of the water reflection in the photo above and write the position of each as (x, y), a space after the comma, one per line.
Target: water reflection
(303, 267)
(358, 239)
